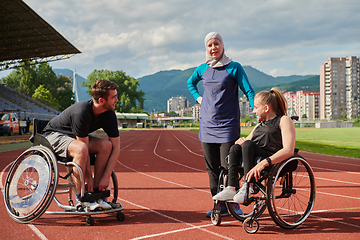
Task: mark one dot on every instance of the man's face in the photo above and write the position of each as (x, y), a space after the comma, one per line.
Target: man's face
(111, 100)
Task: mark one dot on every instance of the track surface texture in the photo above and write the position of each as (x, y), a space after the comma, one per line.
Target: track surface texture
(163, 186)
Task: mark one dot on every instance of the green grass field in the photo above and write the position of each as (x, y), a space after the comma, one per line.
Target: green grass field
(332, 141)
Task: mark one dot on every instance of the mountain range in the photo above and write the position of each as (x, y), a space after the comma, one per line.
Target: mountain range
(161, 86)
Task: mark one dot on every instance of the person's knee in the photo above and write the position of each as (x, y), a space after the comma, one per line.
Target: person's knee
(235, 149)
(247, 144)
(106, 146)
(79, 151)
(235, 152)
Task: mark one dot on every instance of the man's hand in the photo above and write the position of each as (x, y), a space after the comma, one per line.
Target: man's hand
(104, 183)
(89, 183)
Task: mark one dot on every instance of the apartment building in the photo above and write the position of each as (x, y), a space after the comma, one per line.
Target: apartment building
(303, 103)
(307, 104)
(339, 88)
(177, 104)
(196, 111)
(291, 103)
(245, 108)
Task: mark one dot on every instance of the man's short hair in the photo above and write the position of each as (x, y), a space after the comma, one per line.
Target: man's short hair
(101, 88)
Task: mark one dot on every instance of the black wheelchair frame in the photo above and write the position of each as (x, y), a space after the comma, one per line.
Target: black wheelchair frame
(33, 181)
(286, 189)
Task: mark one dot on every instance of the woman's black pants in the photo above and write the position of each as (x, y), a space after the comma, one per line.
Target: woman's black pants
(245, 155)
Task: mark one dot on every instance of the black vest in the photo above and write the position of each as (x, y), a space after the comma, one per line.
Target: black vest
(268, 135)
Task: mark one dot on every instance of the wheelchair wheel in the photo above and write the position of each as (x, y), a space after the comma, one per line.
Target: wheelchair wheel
(31, 184)
(216, 216)
(291, 192)
(115, 187)
(234, 208)
(251, 225)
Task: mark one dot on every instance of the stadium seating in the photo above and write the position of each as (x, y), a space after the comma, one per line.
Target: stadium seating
(24, 106)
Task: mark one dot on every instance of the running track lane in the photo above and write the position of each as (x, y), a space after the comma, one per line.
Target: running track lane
(163, 186)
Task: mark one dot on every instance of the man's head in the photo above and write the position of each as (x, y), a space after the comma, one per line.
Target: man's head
(104, 94)
(101, 88)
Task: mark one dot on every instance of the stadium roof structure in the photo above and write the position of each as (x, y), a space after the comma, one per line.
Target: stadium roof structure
(25, 36)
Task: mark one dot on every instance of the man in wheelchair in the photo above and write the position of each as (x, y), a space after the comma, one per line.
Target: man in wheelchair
(273, 140)
(69, 135)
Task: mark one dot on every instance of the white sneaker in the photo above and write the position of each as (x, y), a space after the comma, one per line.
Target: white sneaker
(93, 206)
(226, 194)
(240, 196)
(103, 204)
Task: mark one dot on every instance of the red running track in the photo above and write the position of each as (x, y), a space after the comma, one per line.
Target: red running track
(163, 186)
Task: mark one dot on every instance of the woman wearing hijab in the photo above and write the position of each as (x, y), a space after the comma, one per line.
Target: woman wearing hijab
(220, 113)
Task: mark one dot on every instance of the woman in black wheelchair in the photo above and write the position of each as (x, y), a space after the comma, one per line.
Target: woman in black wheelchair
(273, 140)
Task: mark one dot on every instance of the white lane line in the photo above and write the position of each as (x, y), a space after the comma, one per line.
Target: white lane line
(200, 155)
(339, 163)
(160, 179)
(31, 226)
(336, 221)
(173, 219)
(326, 155)
(37, 232)
(196, 138)
(339, 181)
(335, 170)
(192, 226)
(187, 229)
(166, 159)
(338, 195)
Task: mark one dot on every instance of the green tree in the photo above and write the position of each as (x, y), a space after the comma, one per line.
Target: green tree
(27, 78)
(130, 100)
(245, 119)
(22, 79)
(43, 95)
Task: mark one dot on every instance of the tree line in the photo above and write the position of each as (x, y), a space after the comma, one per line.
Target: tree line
(40, 82)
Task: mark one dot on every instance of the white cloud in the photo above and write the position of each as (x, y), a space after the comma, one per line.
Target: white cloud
(278, 37)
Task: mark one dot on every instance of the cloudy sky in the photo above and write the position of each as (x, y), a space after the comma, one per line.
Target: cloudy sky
(141, 37)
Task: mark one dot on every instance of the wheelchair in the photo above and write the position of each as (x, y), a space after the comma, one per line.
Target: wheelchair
(286, 189)
(33, 182)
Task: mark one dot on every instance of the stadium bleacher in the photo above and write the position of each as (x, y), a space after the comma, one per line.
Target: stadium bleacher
(24, 106)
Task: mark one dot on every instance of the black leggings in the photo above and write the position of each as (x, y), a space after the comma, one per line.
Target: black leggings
(245, 155)
(215, 154)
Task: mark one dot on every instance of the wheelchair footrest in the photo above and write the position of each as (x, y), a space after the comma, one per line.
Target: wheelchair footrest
(95, 196)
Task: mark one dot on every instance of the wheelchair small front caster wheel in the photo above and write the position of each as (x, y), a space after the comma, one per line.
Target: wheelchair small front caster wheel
(251, 225)
(90, 220)
(216, 217)
(120, 216)
(79, 208)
